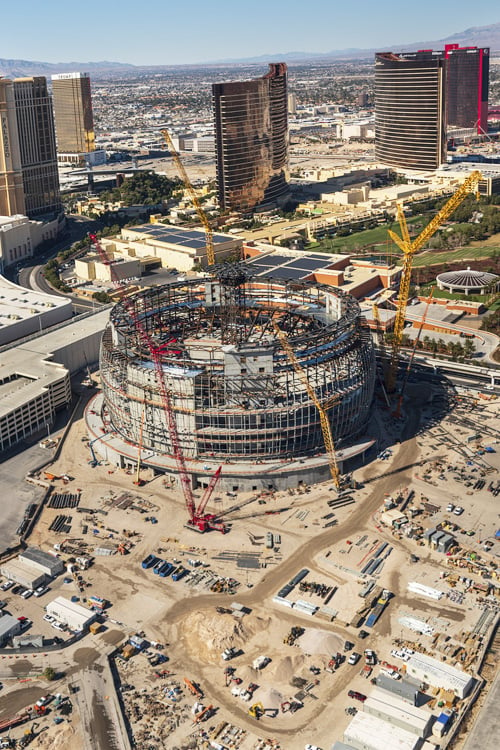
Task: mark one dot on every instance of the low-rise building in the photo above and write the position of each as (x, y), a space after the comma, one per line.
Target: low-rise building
(70, 613)
(438, 674)
(22, 573)
(20, 236)
(24, 311)
(398, 713)
(42, 561)
(9, 627)
(366, 732)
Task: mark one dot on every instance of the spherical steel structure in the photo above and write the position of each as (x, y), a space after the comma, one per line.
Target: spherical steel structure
(235, 394)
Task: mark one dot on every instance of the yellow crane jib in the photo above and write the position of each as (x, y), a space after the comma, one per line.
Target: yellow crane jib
(409, 249)
(321, 407)
(194, 198)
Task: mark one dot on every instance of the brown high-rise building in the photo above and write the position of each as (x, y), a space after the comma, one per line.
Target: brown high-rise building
(467, 81)
(410, 110)
(73, 113)
(37, 146)
(11, 176)
(251, 141)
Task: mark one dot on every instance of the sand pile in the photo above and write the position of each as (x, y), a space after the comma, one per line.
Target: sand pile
(282, 670)
(320, 642)
(269, 697)
(206, 634)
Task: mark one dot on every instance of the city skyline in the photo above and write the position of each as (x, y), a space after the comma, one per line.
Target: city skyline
(219, 35)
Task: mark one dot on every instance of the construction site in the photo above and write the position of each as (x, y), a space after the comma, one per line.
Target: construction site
(236, 397)
(347, 603)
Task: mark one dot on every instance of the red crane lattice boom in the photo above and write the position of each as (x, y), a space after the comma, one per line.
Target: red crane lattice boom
(197, 519)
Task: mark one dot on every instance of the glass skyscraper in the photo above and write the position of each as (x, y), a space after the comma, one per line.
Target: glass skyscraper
(251, 141)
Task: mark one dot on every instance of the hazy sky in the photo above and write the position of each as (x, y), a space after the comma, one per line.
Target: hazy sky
(170, 32)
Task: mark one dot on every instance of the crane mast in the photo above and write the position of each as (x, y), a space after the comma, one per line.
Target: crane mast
(409, 249)
(196, 521)
(209, 235)
(322, 408)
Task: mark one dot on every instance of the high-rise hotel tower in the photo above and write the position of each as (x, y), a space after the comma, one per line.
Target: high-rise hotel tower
(251, 141)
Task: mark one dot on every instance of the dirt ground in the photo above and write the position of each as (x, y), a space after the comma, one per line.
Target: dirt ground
(183, 617)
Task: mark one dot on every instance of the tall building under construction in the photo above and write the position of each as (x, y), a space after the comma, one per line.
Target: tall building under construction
(73, 116)
(251, 141)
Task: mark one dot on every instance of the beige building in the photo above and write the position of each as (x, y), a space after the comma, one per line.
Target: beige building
(19, 236)
(11, 178)
(174, 247)
(92, 268)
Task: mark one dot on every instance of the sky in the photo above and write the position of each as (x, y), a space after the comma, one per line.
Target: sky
(169, 32)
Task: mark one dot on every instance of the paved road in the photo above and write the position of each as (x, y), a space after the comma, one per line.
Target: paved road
(485, 734)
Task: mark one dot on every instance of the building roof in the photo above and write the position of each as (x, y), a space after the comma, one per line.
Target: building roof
(397, 708)
(18, 303)
(33, 554)
(65, 605)
(467, 279)
(290, 266)
(8, 623)
(31, 366)
(439, 673)
(377, 734)
(189, 238)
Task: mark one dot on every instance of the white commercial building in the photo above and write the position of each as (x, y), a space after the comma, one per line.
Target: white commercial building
(23, 311)
(35, 375)
(438, 674)
(20, 572)
(367, 732)
(398, 712)
(42, 561)
(69, 613)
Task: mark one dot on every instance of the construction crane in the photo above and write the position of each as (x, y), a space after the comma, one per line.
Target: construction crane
(382, 351)
(322, 409)
(196, 521)
(397, 413)
(138, 481)
(409, 249)
(209, 235)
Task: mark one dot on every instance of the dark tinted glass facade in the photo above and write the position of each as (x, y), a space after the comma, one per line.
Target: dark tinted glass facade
(37, 144)
(467, 79)
(410, 130)
(251, 137)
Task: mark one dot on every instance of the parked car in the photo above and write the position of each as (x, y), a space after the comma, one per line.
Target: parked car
(41, 590)
(48, 618)
(27, 593)
(7, 585)
(357, 696)
(458, 510)
(354, 658)
(363, 634)
(450, 508)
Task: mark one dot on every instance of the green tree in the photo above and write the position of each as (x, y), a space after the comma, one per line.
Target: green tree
(49, 674)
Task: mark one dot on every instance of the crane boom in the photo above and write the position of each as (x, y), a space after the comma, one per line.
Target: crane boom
(166, 398)
(409, 249)
(323, 416)
(209, 235)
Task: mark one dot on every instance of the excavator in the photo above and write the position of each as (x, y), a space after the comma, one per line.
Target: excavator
(257, 710)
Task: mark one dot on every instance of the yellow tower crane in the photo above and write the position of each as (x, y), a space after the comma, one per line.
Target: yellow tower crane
(409, 249)
(321, 407)
(209, 235)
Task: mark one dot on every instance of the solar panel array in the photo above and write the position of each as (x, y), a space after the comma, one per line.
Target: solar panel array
(192, 238)
(283, 267)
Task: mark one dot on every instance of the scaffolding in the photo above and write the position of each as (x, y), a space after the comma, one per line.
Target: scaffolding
(235, 394)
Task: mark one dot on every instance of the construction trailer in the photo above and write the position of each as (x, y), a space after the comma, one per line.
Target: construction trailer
(46, 563)
(70, 613)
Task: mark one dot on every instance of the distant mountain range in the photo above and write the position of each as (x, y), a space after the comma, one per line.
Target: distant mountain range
(477, 36)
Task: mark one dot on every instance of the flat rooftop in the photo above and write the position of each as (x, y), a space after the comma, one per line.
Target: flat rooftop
(192, 238)
(291, 267)
(18, 303)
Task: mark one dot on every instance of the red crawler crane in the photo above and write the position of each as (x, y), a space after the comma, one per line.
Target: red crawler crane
(198, 520)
